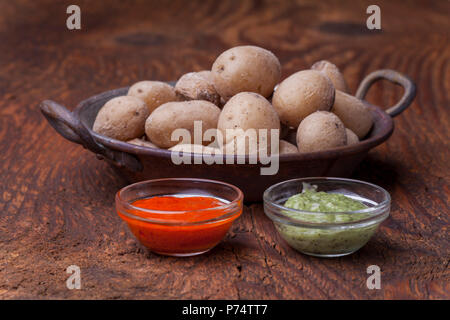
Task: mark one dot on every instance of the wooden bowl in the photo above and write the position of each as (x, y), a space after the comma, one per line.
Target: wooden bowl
(137, 163)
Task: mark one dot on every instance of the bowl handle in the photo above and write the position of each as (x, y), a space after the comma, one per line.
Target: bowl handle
(395, 77)
(70, 127)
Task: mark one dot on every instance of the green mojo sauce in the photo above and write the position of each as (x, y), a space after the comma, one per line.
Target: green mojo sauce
(330, 241)
(311, 200)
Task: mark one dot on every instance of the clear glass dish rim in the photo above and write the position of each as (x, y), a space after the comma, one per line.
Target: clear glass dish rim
(374, 212)
(231, 208)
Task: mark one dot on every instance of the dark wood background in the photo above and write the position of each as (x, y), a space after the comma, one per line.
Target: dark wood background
(56, 199)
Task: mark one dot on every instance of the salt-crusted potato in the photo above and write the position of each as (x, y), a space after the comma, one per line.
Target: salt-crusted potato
(284, 147)
(247, 110)
(193, 86)
(247, 144)
(195, 148)
(332, 72)
(352, 138)
(142, 143)
(354, 113)
(321, 130)
(179, 115)
(207, 74)
(287, 147)
(153, 93)
(301, 94)
(246, 69)
(122, 118)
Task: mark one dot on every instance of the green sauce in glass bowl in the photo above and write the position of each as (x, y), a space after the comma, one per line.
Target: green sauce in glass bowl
(325, 223)
(311, 200)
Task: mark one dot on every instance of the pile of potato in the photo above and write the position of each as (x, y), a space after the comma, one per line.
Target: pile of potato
(241, 91)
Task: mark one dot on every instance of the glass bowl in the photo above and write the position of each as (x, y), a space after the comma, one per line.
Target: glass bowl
(327, 234)
(169, 232)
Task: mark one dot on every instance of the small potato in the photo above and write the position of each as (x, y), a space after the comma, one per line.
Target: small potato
(286, 147)
(352, 138)
(321, 130)
(195, 148)
(207, 74)
(246, 69)
(153, 93)
(122, 118)
(354, 113)
(301, 94)
(247, 144)
(142, 143)
(332, 72)
(193, 86)
(247, 110)
(179, 115)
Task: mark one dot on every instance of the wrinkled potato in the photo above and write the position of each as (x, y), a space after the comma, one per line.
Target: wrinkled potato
(332, 72)
(195, 148)
(142, 143)
(247, 144)
(352, 138)
(354, 113)
(247, 110)
(287, 147)
(301, 94)
(122, 118)
(179, 115)
(153, 93)
(193, 86)
(207, 74)
(321, 130)
(246, 69)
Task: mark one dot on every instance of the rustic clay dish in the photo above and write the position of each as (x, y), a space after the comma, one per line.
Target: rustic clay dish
(137, 163)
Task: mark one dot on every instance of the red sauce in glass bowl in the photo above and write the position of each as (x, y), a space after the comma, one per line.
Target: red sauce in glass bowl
(180, 225)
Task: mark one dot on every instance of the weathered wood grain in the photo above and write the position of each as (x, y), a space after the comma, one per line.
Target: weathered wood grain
(56, 200)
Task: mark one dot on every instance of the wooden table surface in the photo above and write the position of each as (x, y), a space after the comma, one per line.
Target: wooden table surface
(56, 199)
